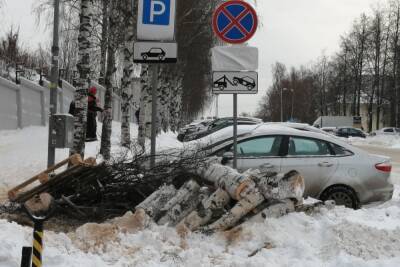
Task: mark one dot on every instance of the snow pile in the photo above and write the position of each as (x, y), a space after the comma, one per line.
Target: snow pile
(389, 141)
(339, 237)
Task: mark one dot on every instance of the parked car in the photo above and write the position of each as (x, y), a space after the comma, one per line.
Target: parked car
(154, 52)
(350, 132)
(387, 131)
(217, 125)
(299, 126)
(195, 126)
(332, 169)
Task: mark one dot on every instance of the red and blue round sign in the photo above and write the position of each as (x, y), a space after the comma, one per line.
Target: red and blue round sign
(235, 21)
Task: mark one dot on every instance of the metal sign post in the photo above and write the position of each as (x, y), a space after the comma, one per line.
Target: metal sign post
(156, 23)
(235, 22)
(53, 84)
(235, 131)
(154, 83)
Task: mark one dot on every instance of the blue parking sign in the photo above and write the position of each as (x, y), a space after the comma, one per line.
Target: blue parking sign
(156, 12)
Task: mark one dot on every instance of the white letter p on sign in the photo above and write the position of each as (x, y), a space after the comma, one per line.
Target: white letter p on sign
(153, 11)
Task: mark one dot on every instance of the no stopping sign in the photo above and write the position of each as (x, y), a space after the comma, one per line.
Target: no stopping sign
(235, 21)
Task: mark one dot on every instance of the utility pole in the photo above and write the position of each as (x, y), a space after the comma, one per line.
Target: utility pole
(53, 83)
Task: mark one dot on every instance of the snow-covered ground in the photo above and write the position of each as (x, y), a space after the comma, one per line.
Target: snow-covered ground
(339, 237)
(388, 141)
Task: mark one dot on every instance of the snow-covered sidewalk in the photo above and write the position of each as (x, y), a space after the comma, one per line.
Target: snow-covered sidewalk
(340, 237)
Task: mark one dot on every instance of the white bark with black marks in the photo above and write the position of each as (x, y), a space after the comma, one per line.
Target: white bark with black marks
(210, 208)
(105, 149)
(127, 79)
(185, 201)
(82, 81)
(156, 201)
(251, 197)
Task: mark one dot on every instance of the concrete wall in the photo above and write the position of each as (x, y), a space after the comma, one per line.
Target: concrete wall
(28, 103)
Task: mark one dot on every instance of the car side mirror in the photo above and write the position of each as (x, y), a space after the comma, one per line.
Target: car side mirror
(226, 157)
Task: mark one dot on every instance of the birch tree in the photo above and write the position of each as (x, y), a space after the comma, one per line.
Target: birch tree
(105, 149)
(82, 81)
(128, 74)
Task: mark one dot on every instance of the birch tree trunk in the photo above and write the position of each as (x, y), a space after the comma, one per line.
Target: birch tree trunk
(127, 78)
(105, 149)
(82, 81)
(104, 40)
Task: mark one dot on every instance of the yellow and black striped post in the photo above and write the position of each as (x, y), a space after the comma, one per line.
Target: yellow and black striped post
(37, 244)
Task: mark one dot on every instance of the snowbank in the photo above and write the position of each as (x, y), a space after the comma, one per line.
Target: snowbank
(341, 237)
(388, 141)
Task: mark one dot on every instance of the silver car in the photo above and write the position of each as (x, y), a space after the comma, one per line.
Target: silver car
(332, 169)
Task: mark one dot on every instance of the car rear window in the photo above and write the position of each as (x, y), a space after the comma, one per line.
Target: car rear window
(340, 151)
(299, 146)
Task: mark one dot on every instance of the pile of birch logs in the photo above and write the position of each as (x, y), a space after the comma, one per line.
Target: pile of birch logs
(229, 198)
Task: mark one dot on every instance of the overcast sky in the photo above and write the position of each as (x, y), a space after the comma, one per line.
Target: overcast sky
(293, 32)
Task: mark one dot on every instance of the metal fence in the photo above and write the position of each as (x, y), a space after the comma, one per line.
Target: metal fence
(27, 103)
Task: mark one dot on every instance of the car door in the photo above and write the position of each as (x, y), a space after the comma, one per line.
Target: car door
(313, 159)
(343, 132)
(262, 150)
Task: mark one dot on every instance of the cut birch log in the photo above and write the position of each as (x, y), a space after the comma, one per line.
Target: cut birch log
(210, 208)
(156, 201)
(250, 199)
(316, 207)
(227, 179)
(289, 186)
(275, 210)
(185, 201)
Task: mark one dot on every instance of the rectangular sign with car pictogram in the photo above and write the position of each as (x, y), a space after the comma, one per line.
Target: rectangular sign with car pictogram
(155, 52)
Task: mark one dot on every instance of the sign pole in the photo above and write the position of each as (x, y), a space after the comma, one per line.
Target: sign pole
(54, 83)
(154, 84)
(235, 131)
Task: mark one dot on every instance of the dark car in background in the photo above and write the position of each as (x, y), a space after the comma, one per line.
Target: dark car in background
(349, 132)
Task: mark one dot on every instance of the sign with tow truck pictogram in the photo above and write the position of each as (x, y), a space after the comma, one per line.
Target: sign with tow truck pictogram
(238, 82)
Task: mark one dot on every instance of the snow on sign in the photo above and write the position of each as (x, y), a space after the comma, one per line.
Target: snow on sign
(240, 82)
(155, 52)
(156, 20)
(235, 21)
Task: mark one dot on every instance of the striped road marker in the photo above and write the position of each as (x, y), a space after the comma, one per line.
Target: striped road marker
(37, 244)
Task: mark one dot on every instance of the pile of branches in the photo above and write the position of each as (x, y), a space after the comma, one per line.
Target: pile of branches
(111, 189)
(185, 188)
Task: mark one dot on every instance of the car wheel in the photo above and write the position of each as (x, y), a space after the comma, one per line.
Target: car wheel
(221, 87)
(144, 57)
(250, 87)
(342, 195)
(161, 57)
